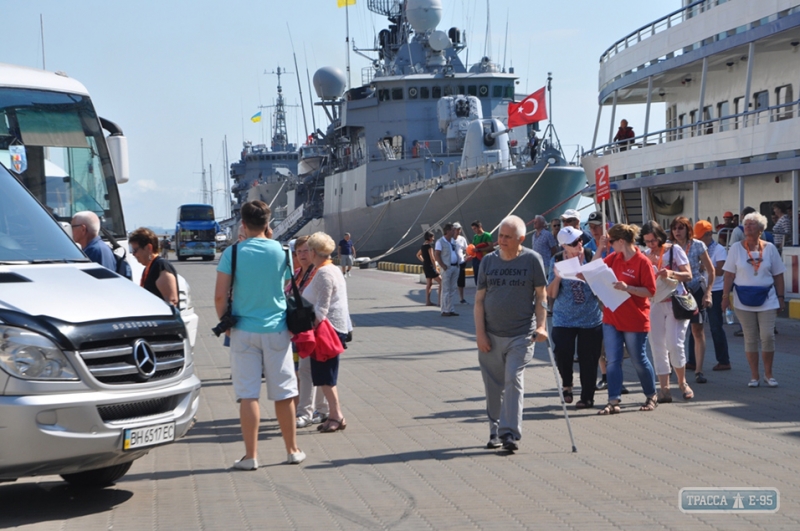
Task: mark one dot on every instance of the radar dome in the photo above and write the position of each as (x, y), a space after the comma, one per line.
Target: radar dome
(424, 15)
(329, 82)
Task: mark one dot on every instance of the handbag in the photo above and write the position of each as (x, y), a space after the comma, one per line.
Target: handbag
(683, 306)
(299, 312)
(752, 295)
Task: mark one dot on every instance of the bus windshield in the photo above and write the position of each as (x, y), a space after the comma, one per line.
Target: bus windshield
(196, 213)
(53, 142)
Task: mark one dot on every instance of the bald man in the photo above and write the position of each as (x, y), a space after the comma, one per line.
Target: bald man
(85, 231)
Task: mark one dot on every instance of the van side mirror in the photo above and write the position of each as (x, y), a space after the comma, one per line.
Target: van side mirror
(118, 151)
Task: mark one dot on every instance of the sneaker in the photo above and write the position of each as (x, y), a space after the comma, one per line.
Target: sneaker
(318, 418)
(602, 384)
(246, 464)
(699, 378)
(624, 390)
(295, 459)
(510, 444)
(494, 441)
(304, 421)
(739, 333)
(722, 367)
(753, 383)
(771, 382)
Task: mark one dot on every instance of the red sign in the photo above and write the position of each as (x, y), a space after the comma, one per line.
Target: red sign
(602, 184)
(531, 109)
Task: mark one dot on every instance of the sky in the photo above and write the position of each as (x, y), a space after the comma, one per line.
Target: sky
(171, 72)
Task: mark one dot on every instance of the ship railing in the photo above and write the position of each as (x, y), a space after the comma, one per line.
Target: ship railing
(776, 113)
(662, 24)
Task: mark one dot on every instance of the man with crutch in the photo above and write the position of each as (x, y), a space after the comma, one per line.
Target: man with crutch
(509, 318)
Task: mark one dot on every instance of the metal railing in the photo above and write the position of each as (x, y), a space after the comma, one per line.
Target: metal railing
(662, 24)
(775, 113)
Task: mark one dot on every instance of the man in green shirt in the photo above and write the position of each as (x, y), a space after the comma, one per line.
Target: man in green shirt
(483, 246)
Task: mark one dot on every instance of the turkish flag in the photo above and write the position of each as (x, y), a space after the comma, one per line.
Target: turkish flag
(531, 109)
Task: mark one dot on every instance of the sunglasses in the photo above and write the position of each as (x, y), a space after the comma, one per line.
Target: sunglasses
(651, 240)
(612, 241)
(574, 244)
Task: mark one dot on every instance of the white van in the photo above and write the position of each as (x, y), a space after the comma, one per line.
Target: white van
(94, 370)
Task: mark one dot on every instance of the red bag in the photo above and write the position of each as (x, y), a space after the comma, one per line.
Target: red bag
(327, 342)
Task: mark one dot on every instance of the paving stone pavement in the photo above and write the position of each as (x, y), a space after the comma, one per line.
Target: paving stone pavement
(413, 454)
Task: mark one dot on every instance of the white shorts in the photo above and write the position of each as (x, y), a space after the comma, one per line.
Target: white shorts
(253, 353)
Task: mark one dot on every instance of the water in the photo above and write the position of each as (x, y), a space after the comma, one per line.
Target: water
(729, 316)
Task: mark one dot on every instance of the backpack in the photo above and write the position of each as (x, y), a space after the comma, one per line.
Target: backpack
(122, 268)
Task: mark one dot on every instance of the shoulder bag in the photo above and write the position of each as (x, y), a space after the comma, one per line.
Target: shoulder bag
(683, 306)
(299, 312)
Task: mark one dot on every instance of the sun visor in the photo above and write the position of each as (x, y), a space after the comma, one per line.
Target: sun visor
(43, 128)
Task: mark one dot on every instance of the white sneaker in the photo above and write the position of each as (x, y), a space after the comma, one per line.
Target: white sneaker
(295, 459)
(246, 464)
(771, 382)
(303, 421)
(753, 383)
(348, 273)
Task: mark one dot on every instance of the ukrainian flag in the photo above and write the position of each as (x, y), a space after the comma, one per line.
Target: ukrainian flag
(343, 3)
(256, 117)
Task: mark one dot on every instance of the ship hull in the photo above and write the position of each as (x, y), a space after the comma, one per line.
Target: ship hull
(377, 229)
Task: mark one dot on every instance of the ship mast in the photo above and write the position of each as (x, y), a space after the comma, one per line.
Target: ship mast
(280, 136)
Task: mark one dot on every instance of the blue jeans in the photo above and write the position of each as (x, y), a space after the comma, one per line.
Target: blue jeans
(636, 342)
(476, 265)
(717, 333)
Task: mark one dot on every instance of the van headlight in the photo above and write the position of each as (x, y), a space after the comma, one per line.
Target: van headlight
(31, 356)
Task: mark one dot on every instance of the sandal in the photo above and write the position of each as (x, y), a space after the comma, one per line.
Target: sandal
(665, 396)
(568, 396)
(688, 394)
(332, 425)
(610, 409)
(650, 405)
(584, 404)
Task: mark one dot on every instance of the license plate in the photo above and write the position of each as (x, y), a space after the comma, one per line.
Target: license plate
(148, 436)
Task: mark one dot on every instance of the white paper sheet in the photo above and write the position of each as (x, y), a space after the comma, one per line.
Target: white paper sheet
(568, 269)
(601, 279)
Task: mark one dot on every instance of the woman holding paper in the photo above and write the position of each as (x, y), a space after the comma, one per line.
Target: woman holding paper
(628, 325)
(576, 316)
(667, 334)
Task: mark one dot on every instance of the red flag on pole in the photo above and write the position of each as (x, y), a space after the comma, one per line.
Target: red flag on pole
(531, 109)
(602, 184)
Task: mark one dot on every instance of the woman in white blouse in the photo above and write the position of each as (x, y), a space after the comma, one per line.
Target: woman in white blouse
(754, 270)
(327, 291)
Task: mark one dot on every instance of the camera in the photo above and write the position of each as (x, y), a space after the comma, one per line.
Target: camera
(226, 322)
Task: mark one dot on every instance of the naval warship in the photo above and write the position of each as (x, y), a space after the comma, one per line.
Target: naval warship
(421, 142)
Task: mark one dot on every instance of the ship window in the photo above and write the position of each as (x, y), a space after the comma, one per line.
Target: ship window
(383, 95)
(436, 92)
(483, 91)
(693, 121)
(509, 92)
(783, 96)
(448, 90)
(424, 93)
(497, 91)
(723, 111)
(461, 89)
(355, 187)
(397, 93)
(708, 114)
(413, 93)
(761, 100)
(472, 90)
(738, 109)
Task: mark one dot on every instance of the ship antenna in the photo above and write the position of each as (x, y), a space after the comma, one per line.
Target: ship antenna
(505, 46)
(41, 29)
(310, 98)
(487, 43)
(550, 104)
(299, 86)
(347, 39)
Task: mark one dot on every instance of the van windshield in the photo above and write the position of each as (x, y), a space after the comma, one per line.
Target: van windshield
(27, 232)
(54, 143)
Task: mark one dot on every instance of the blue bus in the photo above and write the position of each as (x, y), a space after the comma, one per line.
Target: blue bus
(195, 232)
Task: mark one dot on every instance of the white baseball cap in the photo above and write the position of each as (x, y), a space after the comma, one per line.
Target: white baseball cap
(568, 235)
(570, 213)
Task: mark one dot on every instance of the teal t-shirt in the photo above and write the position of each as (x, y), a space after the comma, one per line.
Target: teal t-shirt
(258, 298)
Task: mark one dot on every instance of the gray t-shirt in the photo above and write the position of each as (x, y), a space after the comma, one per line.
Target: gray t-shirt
(510, 294)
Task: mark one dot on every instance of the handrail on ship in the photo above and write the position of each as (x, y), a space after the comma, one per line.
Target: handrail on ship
(775, 113)
(655, 28)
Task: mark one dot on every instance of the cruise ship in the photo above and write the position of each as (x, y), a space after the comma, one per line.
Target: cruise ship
(728, 74)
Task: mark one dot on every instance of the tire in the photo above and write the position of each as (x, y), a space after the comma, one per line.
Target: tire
(180, 257)
(100, 477)
(208, 258)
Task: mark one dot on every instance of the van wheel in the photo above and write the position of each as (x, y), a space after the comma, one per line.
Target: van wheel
(207, 258)
(180, 257)
(101, 477)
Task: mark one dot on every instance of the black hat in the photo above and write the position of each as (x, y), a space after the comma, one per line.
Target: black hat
(595, 218)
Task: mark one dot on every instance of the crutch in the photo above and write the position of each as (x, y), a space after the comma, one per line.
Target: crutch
(558, 383)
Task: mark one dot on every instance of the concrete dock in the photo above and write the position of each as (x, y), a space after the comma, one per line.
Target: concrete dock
(413, 454)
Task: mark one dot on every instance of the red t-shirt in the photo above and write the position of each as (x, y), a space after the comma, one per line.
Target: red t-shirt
(633, 315)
